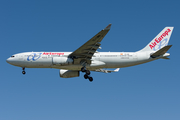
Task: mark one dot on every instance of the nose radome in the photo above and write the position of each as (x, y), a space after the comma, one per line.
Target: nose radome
(8, 60)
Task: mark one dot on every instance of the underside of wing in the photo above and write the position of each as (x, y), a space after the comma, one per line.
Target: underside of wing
(107, 71)
(86, 51)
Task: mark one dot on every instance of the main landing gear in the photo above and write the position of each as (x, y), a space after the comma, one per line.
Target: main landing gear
(23, 72)
(86, 76)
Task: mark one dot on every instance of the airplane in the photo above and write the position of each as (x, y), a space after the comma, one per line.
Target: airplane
(86, 58)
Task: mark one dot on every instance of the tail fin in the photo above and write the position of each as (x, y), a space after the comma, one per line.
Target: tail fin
(160, 40)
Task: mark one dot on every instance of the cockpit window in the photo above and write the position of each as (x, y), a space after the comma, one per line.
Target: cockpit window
(13, 56)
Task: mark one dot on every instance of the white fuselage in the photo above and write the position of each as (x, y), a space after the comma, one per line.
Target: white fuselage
(99, 60)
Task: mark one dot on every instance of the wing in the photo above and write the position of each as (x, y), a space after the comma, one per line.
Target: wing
(107, 71)
(86, 51)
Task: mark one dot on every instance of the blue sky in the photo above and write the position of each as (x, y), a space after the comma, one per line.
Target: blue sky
(145, 92)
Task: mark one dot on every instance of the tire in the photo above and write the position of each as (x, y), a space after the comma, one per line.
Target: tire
(86, 76)
(90, 79)
(83, 69)
(88, 72)
(23, 72)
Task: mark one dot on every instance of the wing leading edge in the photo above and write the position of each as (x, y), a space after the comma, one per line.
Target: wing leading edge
(87, 50)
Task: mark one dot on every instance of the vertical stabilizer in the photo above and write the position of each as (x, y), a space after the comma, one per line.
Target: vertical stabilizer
(160, 40)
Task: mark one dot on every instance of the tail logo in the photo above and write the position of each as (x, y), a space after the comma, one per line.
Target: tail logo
(159, 42)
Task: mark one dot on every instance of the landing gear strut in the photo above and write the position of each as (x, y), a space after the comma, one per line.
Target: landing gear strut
(23, 72)
(86, 76)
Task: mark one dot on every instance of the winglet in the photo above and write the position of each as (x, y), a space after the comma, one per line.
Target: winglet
(108, 27)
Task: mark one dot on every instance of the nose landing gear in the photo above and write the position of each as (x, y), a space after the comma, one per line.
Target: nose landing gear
(23, 72)
(86, 76)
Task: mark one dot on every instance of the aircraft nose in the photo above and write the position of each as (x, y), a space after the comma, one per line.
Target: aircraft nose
(8, 60)
(12, 60)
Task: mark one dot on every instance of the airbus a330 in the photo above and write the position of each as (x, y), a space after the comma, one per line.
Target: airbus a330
(86, 58)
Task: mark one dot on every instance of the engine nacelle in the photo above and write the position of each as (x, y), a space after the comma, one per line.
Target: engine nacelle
(61, 60)
(68, 73)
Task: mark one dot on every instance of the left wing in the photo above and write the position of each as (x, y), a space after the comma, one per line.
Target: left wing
(86, 51)
(107, 71)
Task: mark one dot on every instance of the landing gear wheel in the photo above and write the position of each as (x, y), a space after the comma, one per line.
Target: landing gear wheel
(88, 72)
(83, 69)
(86, 76)
(90, 79)
(23, 72)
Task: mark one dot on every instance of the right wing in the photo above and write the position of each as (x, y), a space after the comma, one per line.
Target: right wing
(86, 51)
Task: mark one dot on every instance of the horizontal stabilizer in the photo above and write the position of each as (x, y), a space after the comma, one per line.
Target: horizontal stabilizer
(107, 71)
(165, 58)
(160, 52)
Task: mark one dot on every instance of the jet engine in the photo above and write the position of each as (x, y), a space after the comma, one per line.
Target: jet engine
(68, 73)
(61, 60)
